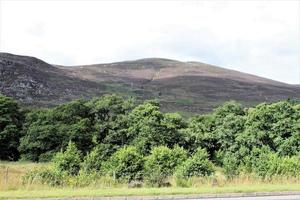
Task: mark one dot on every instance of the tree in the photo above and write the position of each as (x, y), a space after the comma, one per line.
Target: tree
(49, 130)
(148, 127)
(108, 107)
(11, 119)
(200, 133)
(216, 132)
(272, 125)
(110, 117)
(229, 125)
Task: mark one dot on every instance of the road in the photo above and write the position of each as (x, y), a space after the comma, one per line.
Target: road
(285, 197)
(229, 196)
(275, 197)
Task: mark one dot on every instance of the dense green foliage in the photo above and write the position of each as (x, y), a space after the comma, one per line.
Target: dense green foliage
(162, 163)
(11, 120)
(112, 136)
(68, 161)
(126, 163)
(93, 161)
(149, 127)
(197, 165)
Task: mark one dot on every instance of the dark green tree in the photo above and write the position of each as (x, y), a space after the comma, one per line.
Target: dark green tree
(149, 127)
(11, 119)
(49, 130)
(110, 117)
(272, 125)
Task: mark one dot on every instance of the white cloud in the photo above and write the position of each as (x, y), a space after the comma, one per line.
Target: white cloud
(259, 37)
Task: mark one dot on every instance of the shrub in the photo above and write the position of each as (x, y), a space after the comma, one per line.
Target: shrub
(94, 160)
(162, 162)
(289, 166)
(68, 161)
(197, 165)
(231, 165)
(271, 164)
(83, 179)
(125, 164)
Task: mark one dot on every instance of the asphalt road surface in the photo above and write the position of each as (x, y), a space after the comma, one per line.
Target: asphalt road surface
(285, 197)
(278, 196)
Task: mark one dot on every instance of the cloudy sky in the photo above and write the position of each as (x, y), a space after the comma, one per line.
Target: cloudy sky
(258, 37)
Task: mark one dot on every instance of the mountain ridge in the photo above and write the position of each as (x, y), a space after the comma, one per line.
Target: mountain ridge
(190, 87)
(139, 63)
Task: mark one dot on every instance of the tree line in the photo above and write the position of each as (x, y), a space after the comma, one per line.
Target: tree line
(115, 135)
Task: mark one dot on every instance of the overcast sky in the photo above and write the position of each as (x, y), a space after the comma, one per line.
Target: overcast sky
(258, 37)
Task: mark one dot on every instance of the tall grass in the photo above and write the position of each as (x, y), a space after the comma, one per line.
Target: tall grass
(11, 174)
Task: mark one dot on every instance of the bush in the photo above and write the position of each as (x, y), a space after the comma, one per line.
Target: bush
(289, 166)
(162, 162)
(92, 161)
(231, 165)
(271, 164)
(197, 165)
(68, 161)
(125, 164)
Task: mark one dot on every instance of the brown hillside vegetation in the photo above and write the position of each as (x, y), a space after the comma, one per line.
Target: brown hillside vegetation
(187, 87)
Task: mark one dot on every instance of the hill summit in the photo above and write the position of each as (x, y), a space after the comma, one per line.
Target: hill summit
(191, 87)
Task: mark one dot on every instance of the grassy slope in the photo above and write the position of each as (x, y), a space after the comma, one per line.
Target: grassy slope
(14, 188)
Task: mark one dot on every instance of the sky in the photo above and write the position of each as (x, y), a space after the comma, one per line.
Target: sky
(257, 37)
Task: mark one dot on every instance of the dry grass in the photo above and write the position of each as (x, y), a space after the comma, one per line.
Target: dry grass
(11, 173)
(11, 185)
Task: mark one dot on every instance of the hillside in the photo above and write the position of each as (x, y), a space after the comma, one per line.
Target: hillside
(37, 83)
(180, 86)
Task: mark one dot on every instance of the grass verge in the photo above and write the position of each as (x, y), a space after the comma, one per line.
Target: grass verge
(105, 192)
(11, 186)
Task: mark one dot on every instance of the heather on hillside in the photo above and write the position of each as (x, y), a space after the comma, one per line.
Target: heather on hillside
(186, 87)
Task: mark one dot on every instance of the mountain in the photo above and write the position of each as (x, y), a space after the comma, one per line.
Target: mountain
(188, 87)
(37, 83)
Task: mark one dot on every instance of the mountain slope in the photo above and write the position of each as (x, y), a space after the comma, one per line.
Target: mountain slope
(180, 86)
(186, 86)
(35, 82)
